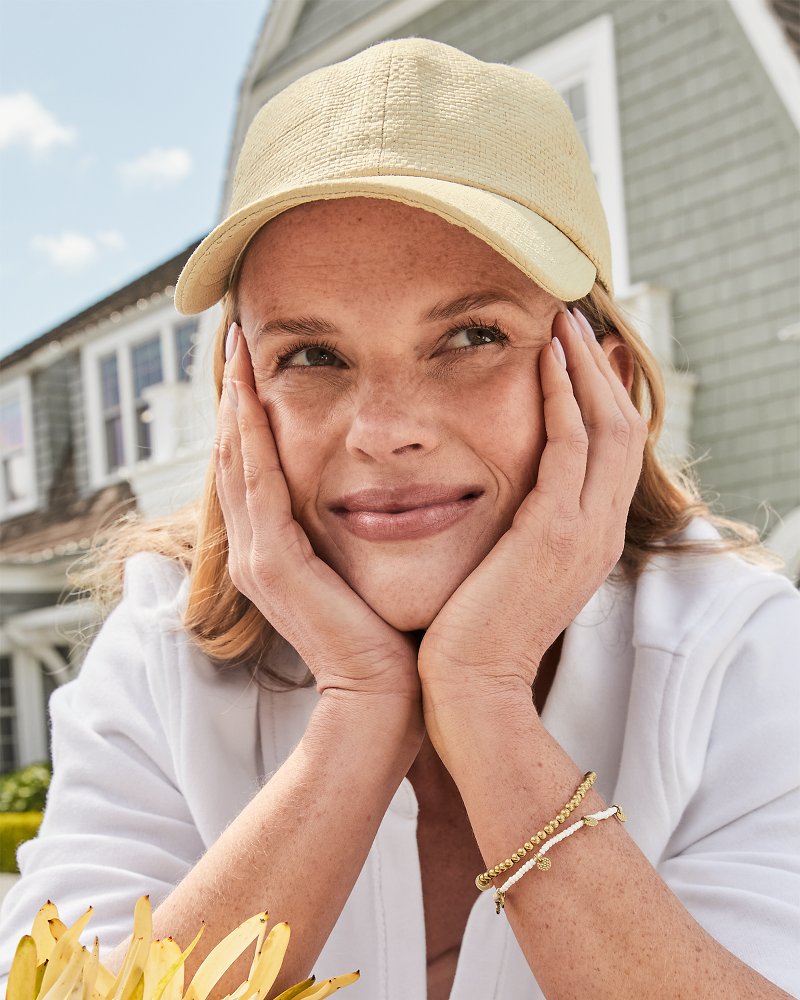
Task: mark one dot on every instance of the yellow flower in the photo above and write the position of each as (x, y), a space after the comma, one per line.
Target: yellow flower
(51, 964)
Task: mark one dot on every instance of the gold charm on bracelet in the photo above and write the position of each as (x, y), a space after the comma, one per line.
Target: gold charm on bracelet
(500, 900)
(620, 815)
(543, 864)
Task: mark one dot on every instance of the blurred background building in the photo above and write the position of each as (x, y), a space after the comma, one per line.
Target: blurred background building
(690, 114)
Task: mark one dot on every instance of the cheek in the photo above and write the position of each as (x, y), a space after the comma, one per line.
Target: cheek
(507, 428)
(300, 438)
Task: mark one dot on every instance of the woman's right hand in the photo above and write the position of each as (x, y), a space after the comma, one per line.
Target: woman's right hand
(346, 645)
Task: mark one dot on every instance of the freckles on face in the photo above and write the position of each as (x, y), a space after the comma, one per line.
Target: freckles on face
(384, 398)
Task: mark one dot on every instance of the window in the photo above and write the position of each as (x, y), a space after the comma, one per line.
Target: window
(118, 370)
(8, 717)
(17, 472)
(146, 370)
(112, 414)
(581, 66)
(185, 339)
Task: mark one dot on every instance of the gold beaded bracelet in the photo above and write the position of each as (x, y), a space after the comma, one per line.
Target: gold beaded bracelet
(484, 880)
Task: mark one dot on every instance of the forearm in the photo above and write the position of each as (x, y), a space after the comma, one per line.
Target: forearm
(298, 847)
(601, 922)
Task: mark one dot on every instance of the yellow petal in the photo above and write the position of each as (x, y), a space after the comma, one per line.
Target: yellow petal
(138, 950)
(170, 986)
(61, 988)
(22, 977)
(91, 967)
(324, 989)
(40, 932)
(56, 928)
(65, 947)
(271, 959)
(295, 991)
(222, 957)
(259, 948)
(104, 983)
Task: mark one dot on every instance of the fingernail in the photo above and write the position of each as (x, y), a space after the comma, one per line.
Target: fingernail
(233, 392)
(558, 350)
(230, 341)
(575, 325)
(585, 326)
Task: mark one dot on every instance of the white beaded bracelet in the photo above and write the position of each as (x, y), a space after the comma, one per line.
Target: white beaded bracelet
(544, 863)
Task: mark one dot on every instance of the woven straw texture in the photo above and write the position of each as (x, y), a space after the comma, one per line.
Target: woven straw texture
(486, 146)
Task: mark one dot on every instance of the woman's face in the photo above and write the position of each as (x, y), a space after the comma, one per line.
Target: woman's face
(399, 369)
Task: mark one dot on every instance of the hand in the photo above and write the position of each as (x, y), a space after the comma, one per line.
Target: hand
(345, 644)
(565, 539)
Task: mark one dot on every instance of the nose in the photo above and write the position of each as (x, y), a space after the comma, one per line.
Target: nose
(389, 420)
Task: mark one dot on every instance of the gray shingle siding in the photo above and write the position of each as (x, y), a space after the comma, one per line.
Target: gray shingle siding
(78, 419)
(320, 20)
(50, 392)
(712, 191)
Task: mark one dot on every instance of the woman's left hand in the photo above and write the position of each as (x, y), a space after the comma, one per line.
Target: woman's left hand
(568, 534)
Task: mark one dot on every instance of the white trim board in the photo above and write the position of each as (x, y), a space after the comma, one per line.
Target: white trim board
(587, 54)
(773, 50)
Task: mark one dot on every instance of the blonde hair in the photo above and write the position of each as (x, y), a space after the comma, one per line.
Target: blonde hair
(231, 630)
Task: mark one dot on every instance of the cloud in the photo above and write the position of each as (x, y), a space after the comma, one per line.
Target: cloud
(74, 251)
(112, 239)
(157, 169)
(26, 122)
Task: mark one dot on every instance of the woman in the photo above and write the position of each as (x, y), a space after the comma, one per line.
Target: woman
(435, 497)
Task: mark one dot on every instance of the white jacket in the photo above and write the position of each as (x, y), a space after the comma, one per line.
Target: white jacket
(681, 691)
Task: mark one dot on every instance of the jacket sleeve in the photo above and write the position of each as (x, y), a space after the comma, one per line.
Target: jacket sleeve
(116, 825)
(734, 860)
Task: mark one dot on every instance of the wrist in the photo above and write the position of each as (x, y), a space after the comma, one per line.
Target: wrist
(383, 719)
(459, 716)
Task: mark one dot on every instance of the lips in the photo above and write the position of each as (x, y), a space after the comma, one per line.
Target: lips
(395, 500)
(399, 513)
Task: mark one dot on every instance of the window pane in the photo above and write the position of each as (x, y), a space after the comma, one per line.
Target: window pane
(11, 425)
(146, 364)
(143, 445)
(575, 96)
(109, 380)
(184, 344)
(113, 442)
(6, 683)
(16, 477)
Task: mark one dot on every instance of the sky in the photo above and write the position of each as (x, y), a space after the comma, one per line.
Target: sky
(115, 123)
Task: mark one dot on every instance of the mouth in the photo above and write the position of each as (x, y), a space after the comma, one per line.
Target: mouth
(377, 516)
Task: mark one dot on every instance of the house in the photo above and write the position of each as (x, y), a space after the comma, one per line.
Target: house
(98, 416)
(689, 112)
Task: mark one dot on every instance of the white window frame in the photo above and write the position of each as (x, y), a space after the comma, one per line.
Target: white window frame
(121, 340)
(587, 55)
(20, 388)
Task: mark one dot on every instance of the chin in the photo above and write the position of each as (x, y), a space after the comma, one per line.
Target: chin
(408, 619)
(406, 603)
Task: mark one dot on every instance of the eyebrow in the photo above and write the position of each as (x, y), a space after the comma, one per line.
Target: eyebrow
(316, 326)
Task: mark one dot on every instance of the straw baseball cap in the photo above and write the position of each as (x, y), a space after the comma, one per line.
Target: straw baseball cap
(487, 147)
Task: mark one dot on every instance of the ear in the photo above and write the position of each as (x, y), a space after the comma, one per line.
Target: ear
(620, 357)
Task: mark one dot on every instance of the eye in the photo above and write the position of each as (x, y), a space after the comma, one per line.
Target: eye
(309, 356)
(475, 334)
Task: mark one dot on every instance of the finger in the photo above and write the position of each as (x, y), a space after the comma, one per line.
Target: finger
(265, 489)
(228, 470)
(608, 430)
(241, 365)
(562, 467)
(638, 424)
(624, 401)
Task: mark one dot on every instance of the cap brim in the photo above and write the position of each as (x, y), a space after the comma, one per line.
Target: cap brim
(531, 243)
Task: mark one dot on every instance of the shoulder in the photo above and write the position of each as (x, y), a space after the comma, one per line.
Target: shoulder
(155, 588)
(142, 649)
(683, 601)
